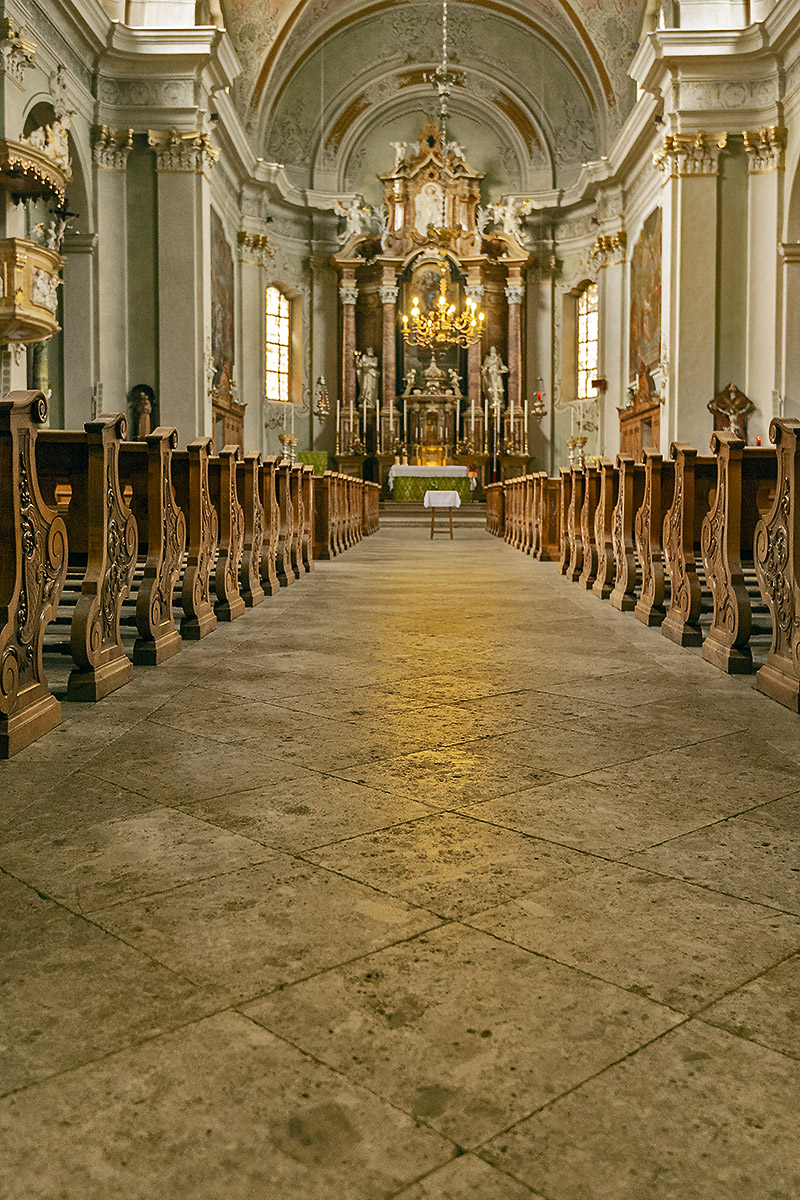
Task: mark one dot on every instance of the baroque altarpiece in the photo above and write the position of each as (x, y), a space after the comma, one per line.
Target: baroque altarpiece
(430, 408)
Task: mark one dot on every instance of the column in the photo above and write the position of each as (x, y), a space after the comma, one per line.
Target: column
(78, 336)
(474, 431)
(183, 161)
(389, 292)
(324, 351)
(514, 294)
(348, 294)
(611, 342)
(765, 153)
(790, 366)
(689, 282)
(110, 150)
(255, 250)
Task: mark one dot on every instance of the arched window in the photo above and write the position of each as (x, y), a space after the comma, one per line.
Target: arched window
(587, 325)
(277, 344)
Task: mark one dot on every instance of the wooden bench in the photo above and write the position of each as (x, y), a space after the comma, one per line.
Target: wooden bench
(745, 486)
(192, 491)
(272, 525)
(222, 482)
(630, 490)
(604, 529)
(307, 542)
(296, 547)
(495, 499)
(575, 560)
(285, 569)
(695, 480)
(591, 497)
(659, 483)
(547, 518)
(103, 545)
(251, 494)
(564, 505)
(145, 470)
(777, 565)
(33, 568)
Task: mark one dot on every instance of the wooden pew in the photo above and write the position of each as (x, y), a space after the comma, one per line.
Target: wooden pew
(307, 543)
(251, 492)
(337, 512)
(529, 488)
(192, 492)
(695, 480)
(372, 497)
(604, 528)
(777, 563)
(630, 490)
(549, 538)
(564, 504)
(272, 525)
(298, 517)
(494, 508)
(33, 567)
(745, 486)
(222, 470)
(591, 497)
(286, 573)
(324, 543)
(103, 544)
(575, 562)
(145, 470)
(659, 484)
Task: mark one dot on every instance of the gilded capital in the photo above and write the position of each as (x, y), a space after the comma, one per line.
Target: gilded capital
(766, 149)
(609, 249)
(683, 154)
(17, 53)
(255, 248)
(185, 153)
(111, 147)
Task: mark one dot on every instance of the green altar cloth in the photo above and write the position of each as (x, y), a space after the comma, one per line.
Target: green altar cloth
(413, 487)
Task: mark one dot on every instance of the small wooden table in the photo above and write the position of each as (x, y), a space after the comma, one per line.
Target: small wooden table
(448, 500)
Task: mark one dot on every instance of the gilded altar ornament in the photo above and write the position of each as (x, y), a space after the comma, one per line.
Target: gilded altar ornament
(442, 325)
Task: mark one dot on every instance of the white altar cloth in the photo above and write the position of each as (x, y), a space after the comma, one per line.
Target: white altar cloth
(431, 472)
(441, 500)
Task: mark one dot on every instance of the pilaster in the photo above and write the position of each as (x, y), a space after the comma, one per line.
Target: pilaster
(110, 150)
(254, 252)
(389, 292)
(348, 294)
(78, 336)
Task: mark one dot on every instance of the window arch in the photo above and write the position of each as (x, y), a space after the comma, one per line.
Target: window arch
(277, 343)
(587, 341)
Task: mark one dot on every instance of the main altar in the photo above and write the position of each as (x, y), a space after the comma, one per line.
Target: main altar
(451, 406)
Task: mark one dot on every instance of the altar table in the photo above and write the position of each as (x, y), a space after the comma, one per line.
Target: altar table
(411, 483)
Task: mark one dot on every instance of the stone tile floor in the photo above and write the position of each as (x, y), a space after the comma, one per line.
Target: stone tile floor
(432, 877)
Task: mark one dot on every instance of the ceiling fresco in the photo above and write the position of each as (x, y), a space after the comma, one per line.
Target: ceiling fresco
(326, 83)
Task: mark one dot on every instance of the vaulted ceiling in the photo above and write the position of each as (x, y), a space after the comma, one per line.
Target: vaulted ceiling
(328, 84)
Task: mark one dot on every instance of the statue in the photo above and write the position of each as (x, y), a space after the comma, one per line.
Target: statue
(50, 234)
(731, 408)
(492, 373)
(52, 141)
(410, 379)
(509, 214)
(399, 154)
(142, 400)
(356, 214)
(455, 380)
(455, 150)
(368, 376)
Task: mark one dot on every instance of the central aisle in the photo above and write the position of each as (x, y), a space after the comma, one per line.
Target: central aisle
(432, 877)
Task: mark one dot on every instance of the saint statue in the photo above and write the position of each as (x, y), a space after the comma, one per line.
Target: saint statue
(368, 376)
(142, 400)
(492, 373)
(356, 214)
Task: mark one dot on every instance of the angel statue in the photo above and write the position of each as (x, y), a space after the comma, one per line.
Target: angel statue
(51, 233)
(356, 214)
(455, 380)
(509, 214)
(368, 376)
(399, 154)
(492, 373)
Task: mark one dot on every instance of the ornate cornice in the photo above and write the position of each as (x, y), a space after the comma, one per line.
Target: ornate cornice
(684, 154)
(766, 149)
(609, 248)
(183, 153)
(255, 248)
(16, 52)
(111, 147)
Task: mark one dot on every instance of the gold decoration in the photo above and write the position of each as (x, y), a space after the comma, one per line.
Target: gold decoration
(609, 247)
(28, 290)
(30, 173)
(690, 153)
(442, 325)
(766, 148)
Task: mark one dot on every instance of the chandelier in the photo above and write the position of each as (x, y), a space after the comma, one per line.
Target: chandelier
(442, 324)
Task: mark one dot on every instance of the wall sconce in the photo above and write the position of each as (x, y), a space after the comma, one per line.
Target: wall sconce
(539, 408)
(323, 403)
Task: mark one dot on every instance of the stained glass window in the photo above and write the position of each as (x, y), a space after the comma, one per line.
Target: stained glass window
(587, 341)
(276, 385)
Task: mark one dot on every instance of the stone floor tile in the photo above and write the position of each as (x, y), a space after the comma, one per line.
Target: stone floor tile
(447, 777)
(754, 855)
(219, 1109)
(79, 800)
(109, 862)
(563, 751)
(256, 929)
(467, 1178)
(450, 864)
(720, 767)
(461, 1030)
(70, 993)
(306, 811)
(699, 1114)
(662, 938)
(765, 1010)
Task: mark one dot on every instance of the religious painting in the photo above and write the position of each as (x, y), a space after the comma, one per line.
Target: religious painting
(645, 330)
(222, 299)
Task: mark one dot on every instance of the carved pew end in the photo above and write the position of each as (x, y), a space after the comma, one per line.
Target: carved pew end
(680, 633)
(148, 653)
(90, 686)
(651, 617)
(734, 660)
(779, 686)
(20, 729)
(622, 601)
(194, 628)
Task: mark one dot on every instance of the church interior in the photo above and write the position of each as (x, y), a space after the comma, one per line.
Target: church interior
(399, 599)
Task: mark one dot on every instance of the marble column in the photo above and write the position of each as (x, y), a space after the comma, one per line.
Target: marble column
(473, 430)
(514, 294)
(389, 292)
(348, 294)
(765, 152)
(183, 161)
(611, 340)
(110, 150)
(690, 164)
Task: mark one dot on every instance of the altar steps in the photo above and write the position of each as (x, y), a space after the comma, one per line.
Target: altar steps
(398, 513)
